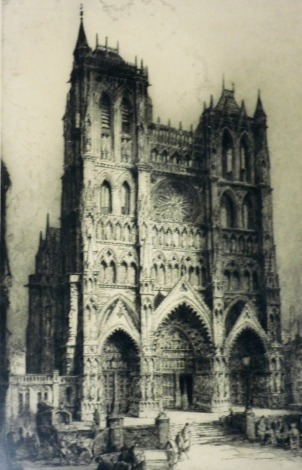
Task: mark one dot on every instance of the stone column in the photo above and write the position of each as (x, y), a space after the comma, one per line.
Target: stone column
(116, 402)
(221, 390)
(56, 391)
(162, 423)
(72, 322)
(276, 394)
(149, 405)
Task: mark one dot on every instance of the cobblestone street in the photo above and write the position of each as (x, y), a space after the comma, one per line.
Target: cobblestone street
(213, 448)
(219, 457)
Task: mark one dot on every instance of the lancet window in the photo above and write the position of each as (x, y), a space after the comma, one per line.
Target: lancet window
(228, 163)
(247, 214)
(105, 127)
(228, 212)
(125, 199)
(245, 160)
(106, 198)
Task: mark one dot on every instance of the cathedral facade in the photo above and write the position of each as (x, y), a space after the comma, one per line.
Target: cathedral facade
(160, 288)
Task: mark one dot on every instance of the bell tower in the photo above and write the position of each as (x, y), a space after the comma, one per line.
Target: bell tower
(105, 175)
(241, 239)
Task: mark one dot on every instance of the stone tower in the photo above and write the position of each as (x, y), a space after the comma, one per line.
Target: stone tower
(160, 289)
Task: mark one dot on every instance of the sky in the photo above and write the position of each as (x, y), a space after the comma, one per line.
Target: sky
(188, 45)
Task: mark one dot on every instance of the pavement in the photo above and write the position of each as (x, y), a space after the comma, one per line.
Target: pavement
(239, 457)
(212, 451)
(217, 457)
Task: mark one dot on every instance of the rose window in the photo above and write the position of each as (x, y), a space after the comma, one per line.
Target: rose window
(176, 202)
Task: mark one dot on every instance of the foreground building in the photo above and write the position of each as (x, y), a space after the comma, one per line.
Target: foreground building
(293, 371)
(5, 282)
(160, 288)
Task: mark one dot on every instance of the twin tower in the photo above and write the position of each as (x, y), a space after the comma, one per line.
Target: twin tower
(160, 289)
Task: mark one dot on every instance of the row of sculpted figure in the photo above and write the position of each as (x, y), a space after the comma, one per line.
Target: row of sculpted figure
(179, 237)
(169, 273)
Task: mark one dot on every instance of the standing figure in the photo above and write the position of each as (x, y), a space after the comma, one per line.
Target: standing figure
(283, 434)
(294, 437)
(186, 435)
(179, 441)
(271, 435)
(261, 429)
(172, 453)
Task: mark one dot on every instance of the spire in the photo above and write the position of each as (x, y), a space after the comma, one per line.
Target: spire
(243, 109)
(82, 43)
(259, 112)
(40, 238)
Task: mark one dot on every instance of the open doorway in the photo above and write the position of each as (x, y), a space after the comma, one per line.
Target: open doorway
(186, 390)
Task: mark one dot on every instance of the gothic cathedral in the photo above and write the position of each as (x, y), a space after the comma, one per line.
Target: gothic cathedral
(159, 290)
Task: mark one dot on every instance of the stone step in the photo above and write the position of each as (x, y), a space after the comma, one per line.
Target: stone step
(202, 433)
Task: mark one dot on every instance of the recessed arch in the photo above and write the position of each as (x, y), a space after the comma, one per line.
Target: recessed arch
(106, 198)
(126, 116)
(184, 351)
(105, 105)
(198, 310)
(120, 370)
(246, 158)
(228, 211)
(248, 213)
(125, 198)
(247, 320)
(228, 155)
(248, 367)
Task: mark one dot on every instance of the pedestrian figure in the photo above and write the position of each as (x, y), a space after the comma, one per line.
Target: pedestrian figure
(172, 453)
(282, 435)
(186, 435)
(261, 429)
(294, 437)
(271, 435)
(180, 445)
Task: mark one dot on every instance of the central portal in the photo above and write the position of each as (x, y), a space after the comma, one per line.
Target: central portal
(120, 373)
(184, 361)
(177, 368)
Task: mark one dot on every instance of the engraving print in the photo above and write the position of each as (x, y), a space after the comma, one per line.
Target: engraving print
(145, 327)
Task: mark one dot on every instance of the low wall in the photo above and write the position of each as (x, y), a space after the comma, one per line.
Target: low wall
(143, 436)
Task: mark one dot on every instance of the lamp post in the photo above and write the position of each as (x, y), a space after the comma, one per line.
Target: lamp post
(250, 424)
(246, 363)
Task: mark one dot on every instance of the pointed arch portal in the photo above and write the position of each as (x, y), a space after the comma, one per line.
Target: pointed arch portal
(184, 352)
(252, 373)
(120, 372)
